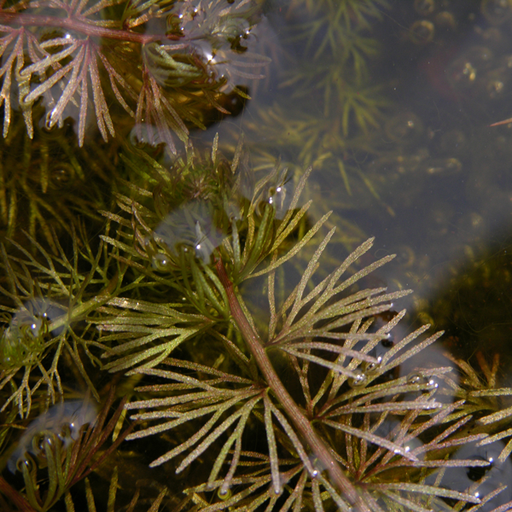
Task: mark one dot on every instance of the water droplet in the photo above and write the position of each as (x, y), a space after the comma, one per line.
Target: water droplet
(496, 11)
(388, 342)
(47, 429)
(415, 378)
(446, 20)
(404, 127)
(224, 492)
(462, 73)
(373, 367)
(190, 229)
(432, 383)
(61, 176)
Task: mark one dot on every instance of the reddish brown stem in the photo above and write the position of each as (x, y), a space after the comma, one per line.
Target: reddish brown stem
(76, 25)
(300, 421)
(21, 503)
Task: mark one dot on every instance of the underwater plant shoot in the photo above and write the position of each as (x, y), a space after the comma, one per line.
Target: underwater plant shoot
(255, 255)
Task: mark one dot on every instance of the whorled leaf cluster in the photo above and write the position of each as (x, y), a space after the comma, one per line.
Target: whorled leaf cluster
(104, 72)
(309, 397)
(162, 64)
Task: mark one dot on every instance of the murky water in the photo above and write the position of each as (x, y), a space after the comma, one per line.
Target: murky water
(432, 180)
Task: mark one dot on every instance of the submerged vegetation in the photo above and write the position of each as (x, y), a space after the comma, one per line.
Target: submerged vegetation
(163, 300)
(177, 333)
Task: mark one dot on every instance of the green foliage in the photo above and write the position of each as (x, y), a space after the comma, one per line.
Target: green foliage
(268, 376)
(295, 407)
(49, 184)
(333, 51)
(161, 63)
(336, 54)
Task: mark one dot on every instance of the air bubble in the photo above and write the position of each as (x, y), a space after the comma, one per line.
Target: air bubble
(404, 127)
(358, 380)
(496, 11)
(463, 72)
(388, 342)
(161, 262)
(446, 20)
(49, 427)
(432, 384)
(422, 32)
(40, 441)
(24, 338)
(374, 366)
(413, 444)
(224, 492)
(62, 176)
(27, 462)
(190, 229)
(415, 378)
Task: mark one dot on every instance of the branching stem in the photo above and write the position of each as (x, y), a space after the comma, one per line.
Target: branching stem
(76, 25)
(302, 423)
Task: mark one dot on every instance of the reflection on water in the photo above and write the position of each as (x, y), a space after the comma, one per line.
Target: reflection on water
(61, 423)
(29, 327)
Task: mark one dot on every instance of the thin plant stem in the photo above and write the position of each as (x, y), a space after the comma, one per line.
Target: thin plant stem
(80, 26)
(21, 503)
(303, 425)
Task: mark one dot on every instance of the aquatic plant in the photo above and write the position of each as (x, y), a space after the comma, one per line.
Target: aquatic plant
(338, 33)
(62, 453)
(272, 378)
(45, 299)
(41, 177)
(62, 423)
(218, 362)
(162, 63)
(304, 397)
(327, 69)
